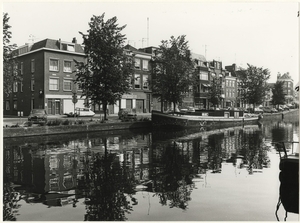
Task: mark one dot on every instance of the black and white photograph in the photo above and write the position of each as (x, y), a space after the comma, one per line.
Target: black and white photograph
(150, 110)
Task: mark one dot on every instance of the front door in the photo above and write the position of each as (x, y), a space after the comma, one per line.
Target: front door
(57, 107)
(139, 106)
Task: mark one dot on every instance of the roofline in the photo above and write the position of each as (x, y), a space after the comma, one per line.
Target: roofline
(49, 49)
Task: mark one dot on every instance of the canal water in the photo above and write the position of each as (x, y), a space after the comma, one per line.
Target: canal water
(141, 175)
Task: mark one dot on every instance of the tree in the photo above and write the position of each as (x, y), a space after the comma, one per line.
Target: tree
(173, 70)
(278, 95)
(10, 70)
(104, 78)
(254, 84)
(214, 93)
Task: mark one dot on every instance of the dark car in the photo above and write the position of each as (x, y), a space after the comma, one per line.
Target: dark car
(38, 116)
(267, 110)
(127, 115)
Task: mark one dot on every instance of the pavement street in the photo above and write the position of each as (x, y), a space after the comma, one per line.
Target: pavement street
(13, 120)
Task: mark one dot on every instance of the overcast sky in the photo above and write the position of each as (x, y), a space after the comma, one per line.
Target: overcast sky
(261, 34)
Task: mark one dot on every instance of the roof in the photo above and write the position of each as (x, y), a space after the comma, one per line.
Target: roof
(198, 57)
(49, 44)
(285, 76)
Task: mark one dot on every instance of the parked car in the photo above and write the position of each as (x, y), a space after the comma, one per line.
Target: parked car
(38, 116)
(258, 111)
(127, 115)
(274, 110)
(280, 109)
(284, 107)
(191, 109)
(84, 112)
(267, 109)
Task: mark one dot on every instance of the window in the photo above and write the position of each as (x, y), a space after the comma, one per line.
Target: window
(67, 66)
(145, 64)
(21, 68)
(15, 87)
(137, 63)
(204, 76)
(15, 69)
(7, 105)
(32, 84)
(67, 85)
(53, 84)
(32, 66)
(71, 48)
(145, 81)
(32, 103)
(137, 81)
(15, 104)
(53, 65)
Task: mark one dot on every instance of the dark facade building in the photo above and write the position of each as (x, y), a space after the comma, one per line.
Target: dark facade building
(288, 86)
(46, 68)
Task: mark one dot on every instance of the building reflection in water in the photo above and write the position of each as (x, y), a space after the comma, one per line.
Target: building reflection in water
(107, 171)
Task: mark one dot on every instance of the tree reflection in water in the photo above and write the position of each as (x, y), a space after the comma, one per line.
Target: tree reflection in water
(173, 182)
(254, 152)
(107, 182)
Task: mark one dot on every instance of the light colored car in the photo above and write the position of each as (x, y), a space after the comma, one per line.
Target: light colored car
(191, 109)
(84, 112)
(258, 110)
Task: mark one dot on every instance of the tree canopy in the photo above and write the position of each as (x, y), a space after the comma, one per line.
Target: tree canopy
(10, 69)
(254, 84)
(104, 77)
(278, 94)
(173, 70)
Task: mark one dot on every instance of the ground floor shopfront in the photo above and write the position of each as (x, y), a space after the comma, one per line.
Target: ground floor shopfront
(138, 102)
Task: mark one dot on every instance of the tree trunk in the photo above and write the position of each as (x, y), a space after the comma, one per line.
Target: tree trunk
(105, 109)
(174, 106)
(161, 105)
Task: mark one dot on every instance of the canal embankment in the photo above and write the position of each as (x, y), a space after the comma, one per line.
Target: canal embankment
(112, 124)
(69, 129)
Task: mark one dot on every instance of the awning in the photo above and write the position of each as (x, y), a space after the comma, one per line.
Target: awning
(206, 85)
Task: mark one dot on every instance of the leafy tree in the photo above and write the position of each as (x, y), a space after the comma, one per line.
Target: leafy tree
(104, 78)
(10, 71)
(278, 95)
(214, 93)
(173, 70)
(253, 84)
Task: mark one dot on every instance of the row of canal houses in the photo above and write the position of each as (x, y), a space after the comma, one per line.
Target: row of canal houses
(47, 66)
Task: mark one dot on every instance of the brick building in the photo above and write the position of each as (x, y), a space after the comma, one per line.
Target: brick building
(46, 68)
(288, 86)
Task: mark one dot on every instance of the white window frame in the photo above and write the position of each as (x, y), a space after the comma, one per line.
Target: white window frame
(15, 87)
(65, 81)
(145, 82)
(21, 68)
(145, 65)
(15, 105)
(67, 70)
(52, 84)
(137, 81)
(7, 105)
(137, 63)
(32, 84)
(203, 76)
(51, 68)
(32, 65)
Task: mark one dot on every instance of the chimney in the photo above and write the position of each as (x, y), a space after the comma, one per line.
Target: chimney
(74, 40)
(234, 67)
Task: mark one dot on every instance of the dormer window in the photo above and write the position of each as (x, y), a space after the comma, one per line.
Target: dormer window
(68, 47)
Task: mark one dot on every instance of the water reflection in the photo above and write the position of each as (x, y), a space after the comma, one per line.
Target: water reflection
(106, 171)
